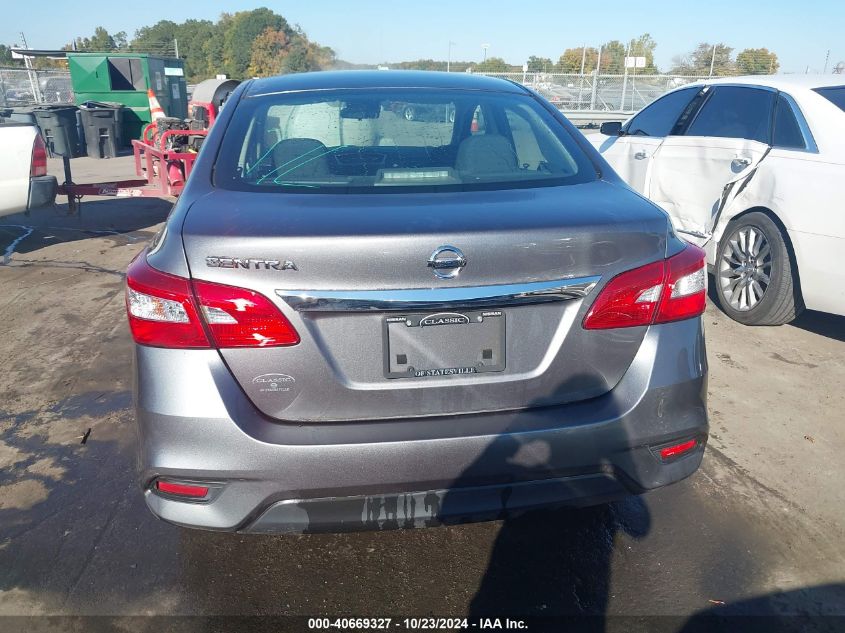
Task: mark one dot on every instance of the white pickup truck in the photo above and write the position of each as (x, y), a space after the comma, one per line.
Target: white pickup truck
(24, 183)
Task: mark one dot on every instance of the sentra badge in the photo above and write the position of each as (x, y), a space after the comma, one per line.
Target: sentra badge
(249, 263)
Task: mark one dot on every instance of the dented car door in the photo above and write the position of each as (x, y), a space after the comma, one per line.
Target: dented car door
(720, 149)
(690, 175)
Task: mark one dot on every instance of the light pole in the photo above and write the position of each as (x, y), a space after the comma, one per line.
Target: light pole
(712, 61)
(449, 59)
(484, 47)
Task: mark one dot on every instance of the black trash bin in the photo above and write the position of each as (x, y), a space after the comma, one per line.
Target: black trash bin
(80, 132)
(103, 123)
(58, 126)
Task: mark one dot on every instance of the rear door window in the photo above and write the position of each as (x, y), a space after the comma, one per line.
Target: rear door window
(735, 112)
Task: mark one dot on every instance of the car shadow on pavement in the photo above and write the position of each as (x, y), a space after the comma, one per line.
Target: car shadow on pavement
(550, 562)
(829, 325)
(119, 220)
(817, 608)
(556, 562)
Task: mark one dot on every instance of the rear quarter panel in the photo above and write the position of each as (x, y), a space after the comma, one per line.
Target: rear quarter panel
(15, 161)
(804, 191)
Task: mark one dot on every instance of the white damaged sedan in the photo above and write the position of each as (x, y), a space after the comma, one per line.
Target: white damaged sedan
(751, 168)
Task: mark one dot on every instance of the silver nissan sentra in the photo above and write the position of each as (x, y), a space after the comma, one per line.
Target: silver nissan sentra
(359, 319)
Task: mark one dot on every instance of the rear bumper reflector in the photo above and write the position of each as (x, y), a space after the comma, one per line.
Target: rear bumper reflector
(674, 451)
(191, 491)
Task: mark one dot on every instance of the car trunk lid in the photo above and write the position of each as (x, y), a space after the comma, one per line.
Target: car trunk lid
(386, 335)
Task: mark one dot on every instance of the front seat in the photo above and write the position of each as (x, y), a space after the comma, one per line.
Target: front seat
(486, 154)
(300, 159)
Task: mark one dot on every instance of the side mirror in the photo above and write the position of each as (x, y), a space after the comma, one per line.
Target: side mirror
(611, 128)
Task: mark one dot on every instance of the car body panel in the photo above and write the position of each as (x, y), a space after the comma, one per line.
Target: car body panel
(801, 188)
(632, 158)
(383, 242)
(19, 192)
(574, 416)
(689, 175)
(815, 225)
(662, 397)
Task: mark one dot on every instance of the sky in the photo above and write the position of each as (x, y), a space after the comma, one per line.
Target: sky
(368, 31)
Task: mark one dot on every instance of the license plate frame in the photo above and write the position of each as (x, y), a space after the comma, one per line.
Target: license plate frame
(444, 344)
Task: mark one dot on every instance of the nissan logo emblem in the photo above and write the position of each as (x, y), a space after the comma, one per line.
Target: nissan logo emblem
(447, 262)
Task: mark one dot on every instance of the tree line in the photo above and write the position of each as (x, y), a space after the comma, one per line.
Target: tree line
(609, 58)
(260, 42)
(243, 44)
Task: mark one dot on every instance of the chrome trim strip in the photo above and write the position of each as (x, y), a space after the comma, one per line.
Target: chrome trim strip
(468, 297)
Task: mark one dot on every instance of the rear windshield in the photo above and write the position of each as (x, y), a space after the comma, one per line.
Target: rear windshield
(834, 94)
(390, 140)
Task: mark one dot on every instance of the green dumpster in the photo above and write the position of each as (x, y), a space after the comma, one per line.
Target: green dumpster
(125, 78)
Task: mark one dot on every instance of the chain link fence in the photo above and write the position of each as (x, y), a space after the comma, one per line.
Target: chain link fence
(23, 87)
(587, 93)
(593, 93)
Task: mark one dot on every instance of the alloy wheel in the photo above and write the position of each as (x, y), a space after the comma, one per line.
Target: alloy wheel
(745, 268)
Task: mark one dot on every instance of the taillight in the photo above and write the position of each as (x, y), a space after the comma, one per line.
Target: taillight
(39, 157)
(166, 311)
(686, 286)
(161, 308)
(669, 290)
(628, 299)
(237, 317)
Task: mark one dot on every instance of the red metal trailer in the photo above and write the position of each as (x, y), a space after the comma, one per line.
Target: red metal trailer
(164, 171)
(161, 158)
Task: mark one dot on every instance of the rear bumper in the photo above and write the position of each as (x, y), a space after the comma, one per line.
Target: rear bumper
(42, 191)
(196, 424)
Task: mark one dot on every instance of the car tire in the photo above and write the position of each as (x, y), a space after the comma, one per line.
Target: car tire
(756, 280)
(409, 113)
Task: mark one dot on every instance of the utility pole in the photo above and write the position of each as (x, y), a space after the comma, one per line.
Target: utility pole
(484, 47)
(449, 59)
(712, 60)
(583, 61)
(633, 75)
(826, 59)
(596, 80)
(625, 78)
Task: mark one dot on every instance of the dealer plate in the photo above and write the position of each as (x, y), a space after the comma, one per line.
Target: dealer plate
(445, 343)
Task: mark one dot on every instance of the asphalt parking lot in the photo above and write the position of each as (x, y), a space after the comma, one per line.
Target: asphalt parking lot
(758, 530)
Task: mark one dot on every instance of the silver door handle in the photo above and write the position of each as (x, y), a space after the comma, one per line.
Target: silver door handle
(741, 162)
(640, 155)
